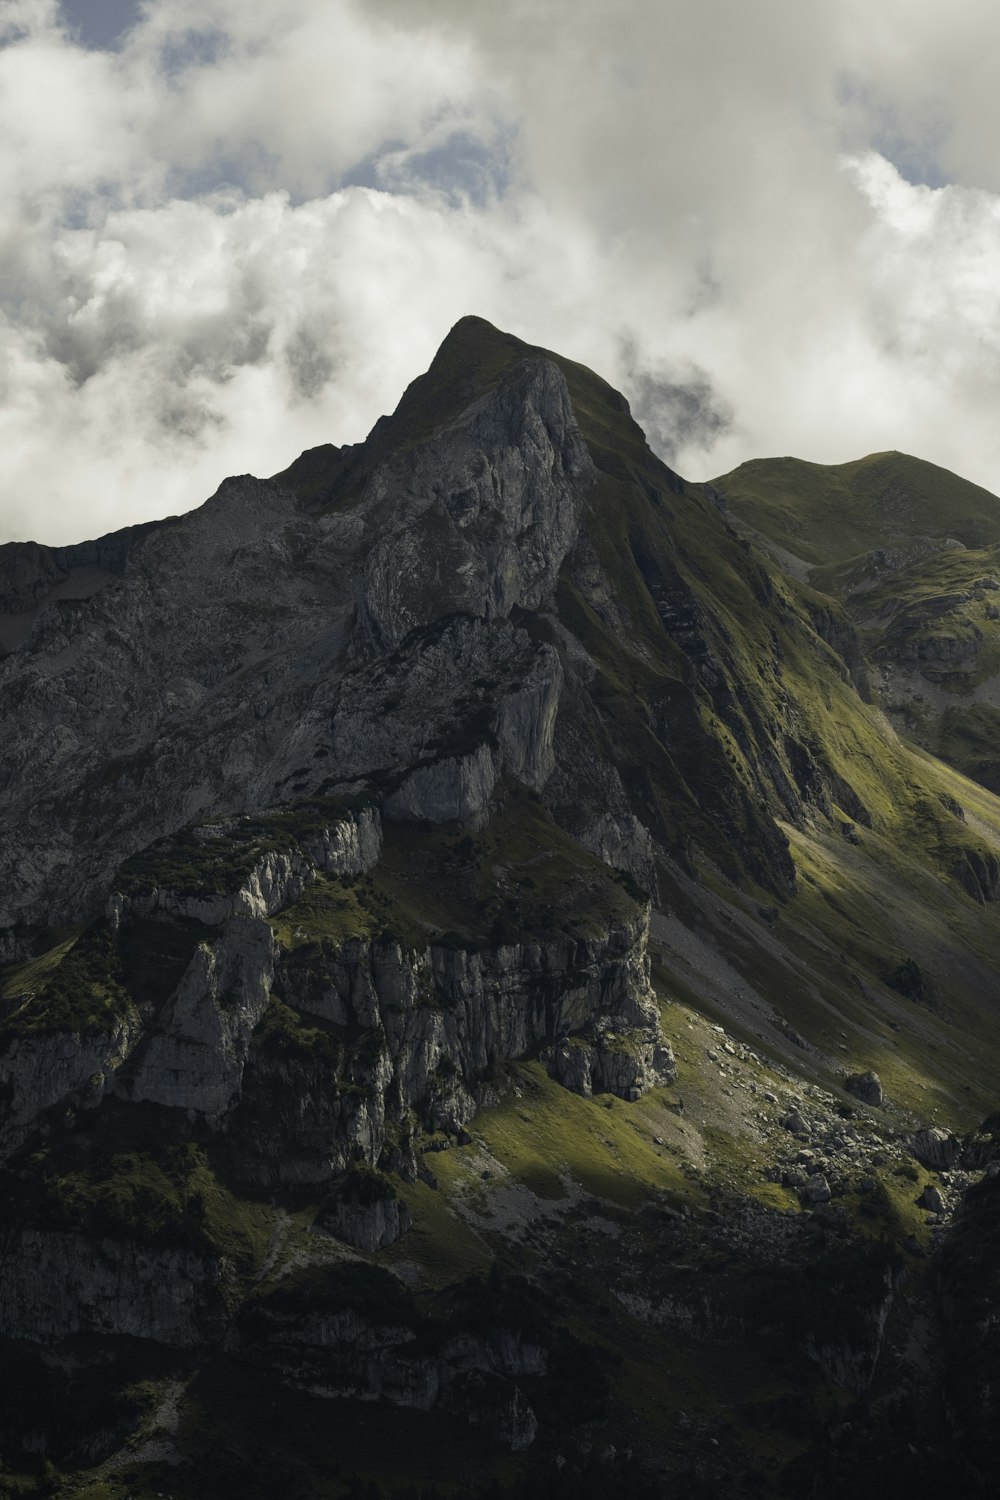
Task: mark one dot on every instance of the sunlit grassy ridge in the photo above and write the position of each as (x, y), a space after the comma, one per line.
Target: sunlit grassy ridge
(913, 552)
(76, 985)
(830, 513)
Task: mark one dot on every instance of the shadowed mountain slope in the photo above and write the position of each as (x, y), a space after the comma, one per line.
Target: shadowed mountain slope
(480, 958)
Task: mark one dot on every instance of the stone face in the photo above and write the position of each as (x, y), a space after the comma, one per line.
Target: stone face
(935, 1148)
(492, 503)
(931, 1199)
(432, 1025)
(55, 1286)
(865, 1086)
(817, 1189)
(194, 1057)
(484, 615)
(37, 1072)
(369, 1350)
(350, 845)
(364, 1211)
(612, 1058)
(222, 648)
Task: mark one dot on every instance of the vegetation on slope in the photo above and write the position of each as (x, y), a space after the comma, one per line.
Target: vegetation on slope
(520, 879)
(214, 858)
(913, 554)
(830, 513)
(78, 985)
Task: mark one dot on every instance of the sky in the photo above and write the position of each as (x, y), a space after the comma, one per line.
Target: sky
(229, 232)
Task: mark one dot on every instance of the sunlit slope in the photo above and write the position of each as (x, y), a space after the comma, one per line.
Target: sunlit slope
(830, 513)
(895, 854)
(912, 552)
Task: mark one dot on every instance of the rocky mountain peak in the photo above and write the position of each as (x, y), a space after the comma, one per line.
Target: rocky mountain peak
(372, 837)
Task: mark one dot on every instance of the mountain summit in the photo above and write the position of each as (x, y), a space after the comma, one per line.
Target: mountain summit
(474, 945)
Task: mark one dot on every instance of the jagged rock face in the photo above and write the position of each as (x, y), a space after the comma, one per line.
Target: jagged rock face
(330, 754)
(431, 1028)
(55, 1286)
(479, 519)
(377, 1347)
(181, 687)
(435, 724)
(364, 1211)
(194, 1057)
(935, 1148)
(343, 1355)
(410, 1033)
(615, 1058)
(417, 630)
(346, 846)
(37, 1072)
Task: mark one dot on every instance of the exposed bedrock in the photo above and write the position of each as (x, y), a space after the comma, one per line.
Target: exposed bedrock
(193, 1056)
(55, 1286)
(415, 1038)
(432, 725)
(209, 641)
(481, 515)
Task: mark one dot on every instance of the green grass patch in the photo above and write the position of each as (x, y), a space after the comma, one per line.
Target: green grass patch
(28, 977)
(81, 988)
(829, 513)
(550, 1136)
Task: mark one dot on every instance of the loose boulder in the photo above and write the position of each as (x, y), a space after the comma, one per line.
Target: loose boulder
(931, 1199)
(935, 1148)
(865, 1086)
(817, 1189)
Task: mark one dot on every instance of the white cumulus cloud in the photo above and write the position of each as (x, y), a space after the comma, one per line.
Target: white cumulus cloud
(775, 226)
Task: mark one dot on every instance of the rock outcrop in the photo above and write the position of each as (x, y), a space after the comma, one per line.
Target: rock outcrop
(614, 1056)
(56, 1286)
(193, 1056)
(364, 1210)
(421, 1034)
(362, 1336)
(243, 695)
(935, 1148)
(49, 1068)
(867, 1087)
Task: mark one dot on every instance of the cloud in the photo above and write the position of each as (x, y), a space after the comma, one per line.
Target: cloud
(243, 232)
(678, 412)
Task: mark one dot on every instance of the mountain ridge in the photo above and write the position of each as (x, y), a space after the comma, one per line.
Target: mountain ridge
(474, 856)
(912, 554)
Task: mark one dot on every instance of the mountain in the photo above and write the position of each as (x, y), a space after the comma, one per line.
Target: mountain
(490, 1001)
(912, 553)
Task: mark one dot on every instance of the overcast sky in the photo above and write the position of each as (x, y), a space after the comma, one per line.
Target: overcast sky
(229, 231)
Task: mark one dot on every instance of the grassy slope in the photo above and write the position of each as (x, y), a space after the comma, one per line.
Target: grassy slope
(858, 909)
(834, 517)
(830, 513)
